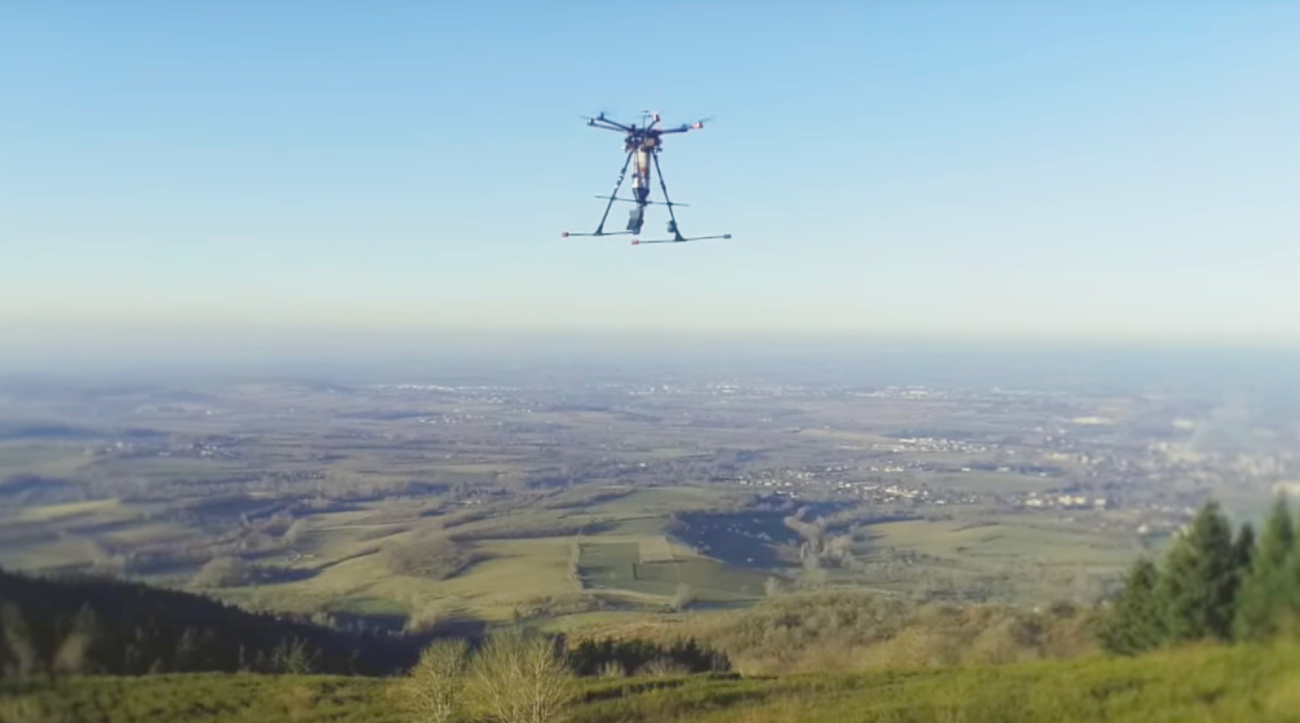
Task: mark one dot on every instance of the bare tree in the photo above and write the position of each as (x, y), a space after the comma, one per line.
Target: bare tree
(224, 571)
(18, 639)
(772, 587)
(433, 692)
(684, 597)
(72, 654)
(662, 668)
(520, 677)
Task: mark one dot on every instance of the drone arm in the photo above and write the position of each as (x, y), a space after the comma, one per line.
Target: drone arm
(609, 125)
(685, 128)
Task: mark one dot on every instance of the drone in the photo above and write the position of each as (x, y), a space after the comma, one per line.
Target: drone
(642, 143)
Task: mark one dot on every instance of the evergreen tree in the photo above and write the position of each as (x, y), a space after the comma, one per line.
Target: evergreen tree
(1243, 550)
(1265, 589)
(1287, 620)
(1199, 580)
(1136, 622)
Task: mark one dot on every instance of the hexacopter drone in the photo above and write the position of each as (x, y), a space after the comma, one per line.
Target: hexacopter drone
(642, 144)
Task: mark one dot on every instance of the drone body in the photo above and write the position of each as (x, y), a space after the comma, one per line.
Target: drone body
(642, 145)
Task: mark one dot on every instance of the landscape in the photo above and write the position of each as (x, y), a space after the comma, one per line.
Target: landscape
(511, 362)
(408, 503)
(875, 527)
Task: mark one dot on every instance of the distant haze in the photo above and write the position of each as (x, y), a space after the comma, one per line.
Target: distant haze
(371, 356)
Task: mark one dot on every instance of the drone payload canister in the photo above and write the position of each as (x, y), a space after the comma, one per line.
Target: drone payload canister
(642, 145)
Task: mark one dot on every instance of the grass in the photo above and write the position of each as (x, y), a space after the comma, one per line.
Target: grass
(609, 564)
(626, 566)
(1191, 685)
(1210, 684)
(55, 513)
(350, 552)
(1000, 538)
(41, 458)
(660, 501)
(710, 580)
(205, 697)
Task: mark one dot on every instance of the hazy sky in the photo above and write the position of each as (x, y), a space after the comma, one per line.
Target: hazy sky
(1067, 168)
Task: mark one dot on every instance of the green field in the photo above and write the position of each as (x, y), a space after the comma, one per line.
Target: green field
(623, 566)
(338, 560)
(610, 565)
(49, 458)
(184, 472)
(1224, 685)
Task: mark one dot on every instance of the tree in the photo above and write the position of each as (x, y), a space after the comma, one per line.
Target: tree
(519, 677)
(294, 656)
(226, 571)
(432, 693)
(1198, 584)
(72, 655)
(684, 596)
(1136, 622)
(1266, 587)
(19, 641)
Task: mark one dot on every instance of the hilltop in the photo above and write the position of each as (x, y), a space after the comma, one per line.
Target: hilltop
(1210, 683)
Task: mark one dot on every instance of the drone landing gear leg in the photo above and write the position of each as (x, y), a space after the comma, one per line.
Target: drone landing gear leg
(672, 223)
(600, 230)
(621, 175)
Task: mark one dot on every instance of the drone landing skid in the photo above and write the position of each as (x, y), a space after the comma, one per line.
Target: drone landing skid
(679, 239)
(568, 234)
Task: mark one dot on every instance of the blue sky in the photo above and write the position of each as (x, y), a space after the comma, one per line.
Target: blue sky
(1066, 169)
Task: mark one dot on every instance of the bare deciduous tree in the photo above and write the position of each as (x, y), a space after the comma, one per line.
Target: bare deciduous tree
(17, 638)
(433, 693)
(520, 677)
(72, 654)
(684, 596)
(223, 571)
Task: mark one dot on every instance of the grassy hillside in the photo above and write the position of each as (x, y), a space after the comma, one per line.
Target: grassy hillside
(1196, 684)
(853, 631)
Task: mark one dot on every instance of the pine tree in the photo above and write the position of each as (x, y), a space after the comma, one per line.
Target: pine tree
(1288, 595)
(1199, 579)
(1265, 588)
(1243, 550)
(1136, 622)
